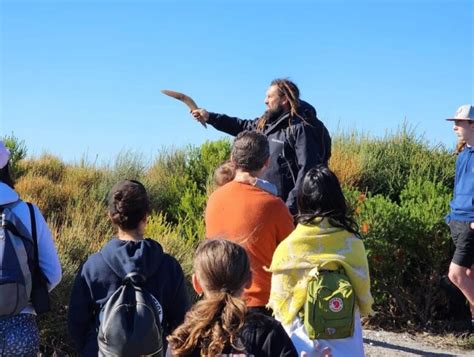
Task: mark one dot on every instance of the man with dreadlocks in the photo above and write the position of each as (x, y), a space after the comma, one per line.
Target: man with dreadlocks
(298, 139)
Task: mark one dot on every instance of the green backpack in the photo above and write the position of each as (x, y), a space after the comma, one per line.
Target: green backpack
(329, 306)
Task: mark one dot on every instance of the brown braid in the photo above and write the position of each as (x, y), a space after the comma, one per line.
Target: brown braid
(290, 91)
(460, 146)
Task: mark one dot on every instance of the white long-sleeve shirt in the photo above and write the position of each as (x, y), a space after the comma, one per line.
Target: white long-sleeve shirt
(47, 253)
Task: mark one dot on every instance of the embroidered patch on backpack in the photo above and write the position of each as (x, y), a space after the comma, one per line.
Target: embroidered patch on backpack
(336, 304)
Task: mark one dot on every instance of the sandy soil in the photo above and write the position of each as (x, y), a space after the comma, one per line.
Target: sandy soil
(383, 343)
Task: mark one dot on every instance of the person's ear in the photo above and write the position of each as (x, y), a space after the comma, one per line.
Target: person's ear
(142, 224)
(285, 101)
(267, 162)
(197, 287)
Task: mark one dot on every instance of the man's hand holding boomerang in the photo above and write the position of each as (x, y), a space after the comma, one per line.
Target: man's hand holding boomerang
(201, 115)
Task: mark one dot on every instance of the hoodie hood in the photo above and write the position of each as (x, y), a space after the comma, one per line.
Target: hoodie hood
(7, 194)
(123, 257)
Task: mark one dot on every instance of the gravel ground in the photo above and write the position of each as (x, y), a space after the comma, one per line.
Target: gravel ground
(383, 343)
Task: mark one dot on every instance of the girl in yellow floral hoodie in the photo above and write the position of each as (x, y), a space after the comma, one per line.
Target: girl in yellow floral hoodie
(324, 232)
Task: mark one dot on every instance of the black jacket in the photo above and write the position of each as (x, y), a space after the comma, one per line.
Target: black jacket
(296, 146)
(101, 275)
(262, 336)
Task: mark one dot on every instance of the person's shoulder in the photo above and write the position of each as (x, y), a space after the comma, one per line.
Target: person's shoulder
(257, 320)
(234, 190)
(94, 264)
(96, 260)
(170, 261)
(466, 151)
(275, 202)
(217, 196)
(225, 189)
(268, 334)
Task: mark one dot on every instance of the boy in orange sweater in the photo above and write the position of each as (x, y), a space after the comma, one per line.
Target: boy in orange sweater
(248, 215)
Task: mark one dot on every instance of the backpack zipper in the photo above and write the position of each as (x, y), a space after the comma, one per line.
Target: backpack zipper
(2, 229)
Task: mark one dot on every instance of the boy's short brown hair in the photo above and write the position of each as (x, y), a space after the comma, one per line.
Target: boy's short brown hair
(250, 151)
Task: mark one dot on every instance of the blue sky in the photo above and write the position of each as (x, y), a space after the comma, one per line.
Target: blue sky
(84, 77)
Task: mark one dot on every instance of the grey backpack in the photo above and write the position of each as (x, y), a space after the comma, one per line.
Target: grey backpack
(130, 321)
(15, 273)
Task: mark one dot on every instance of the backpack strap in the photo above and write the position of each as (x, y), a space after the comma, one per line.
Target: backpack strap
(8, 205)
(7, 224)
(135, 278)
(34, 235)
(318, 269)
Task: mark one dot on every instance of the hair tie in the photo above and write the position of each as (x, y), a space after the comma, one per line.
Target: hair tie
(226, 291)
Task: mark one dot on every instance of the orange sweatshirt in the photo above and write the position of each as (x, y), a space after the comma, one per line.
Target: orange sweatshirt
(258, 221)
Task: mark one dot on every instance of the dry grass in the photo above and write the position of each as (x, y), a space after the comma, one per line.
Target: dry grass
(347, 166)
(50, 196)
(47, 165)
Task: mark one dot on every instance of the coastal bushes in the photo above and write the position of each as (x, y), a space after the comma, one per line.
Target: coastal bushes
(398, 187)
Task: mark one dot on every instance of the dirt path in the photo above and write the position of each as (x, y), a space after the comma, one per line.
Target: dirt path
(383, 343)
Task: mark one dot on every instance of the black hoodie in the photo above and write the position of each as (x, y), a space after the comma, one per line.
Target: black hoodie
(102, 273)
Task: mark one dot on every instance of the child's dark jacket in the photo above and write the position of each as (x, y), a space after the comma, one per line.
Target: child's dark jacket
(102, 273)
(262, 336)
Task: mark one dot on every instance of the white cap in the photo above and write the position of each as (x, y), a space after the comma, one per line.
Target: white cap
(4, 155)
(464, 112)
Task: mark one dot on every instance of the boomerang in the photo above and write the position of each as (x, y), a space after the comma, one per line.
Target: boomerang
(186, 100)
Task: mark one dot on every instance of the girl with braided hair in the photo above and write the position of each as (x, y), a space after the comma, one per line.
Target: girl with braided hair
(298, 140)
(129, 251)
(219, 323)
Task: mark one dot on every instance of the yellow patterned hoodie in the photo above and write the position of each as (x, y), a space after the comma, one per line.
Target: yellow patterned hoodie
(306, 247)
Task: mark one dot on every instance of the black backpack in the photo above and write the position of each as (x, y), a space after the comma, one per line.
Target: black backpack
(130, 321)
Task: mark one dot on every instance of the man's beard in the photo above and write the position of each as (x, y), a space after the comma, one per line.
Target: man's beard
(271, 115)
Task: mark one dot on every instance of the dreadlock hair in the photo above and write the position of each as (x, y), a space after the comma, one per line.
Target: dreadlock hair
(213, 324)
(291, 93)
(320, 196)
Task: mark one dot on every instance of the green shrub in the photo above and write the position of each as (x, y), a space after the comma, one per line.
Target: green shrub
(409, 249)
(204, 160)
(179, 183)
(18, 152)
(389, 163)
(398, 189)
(165, 180)
(173, 241)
